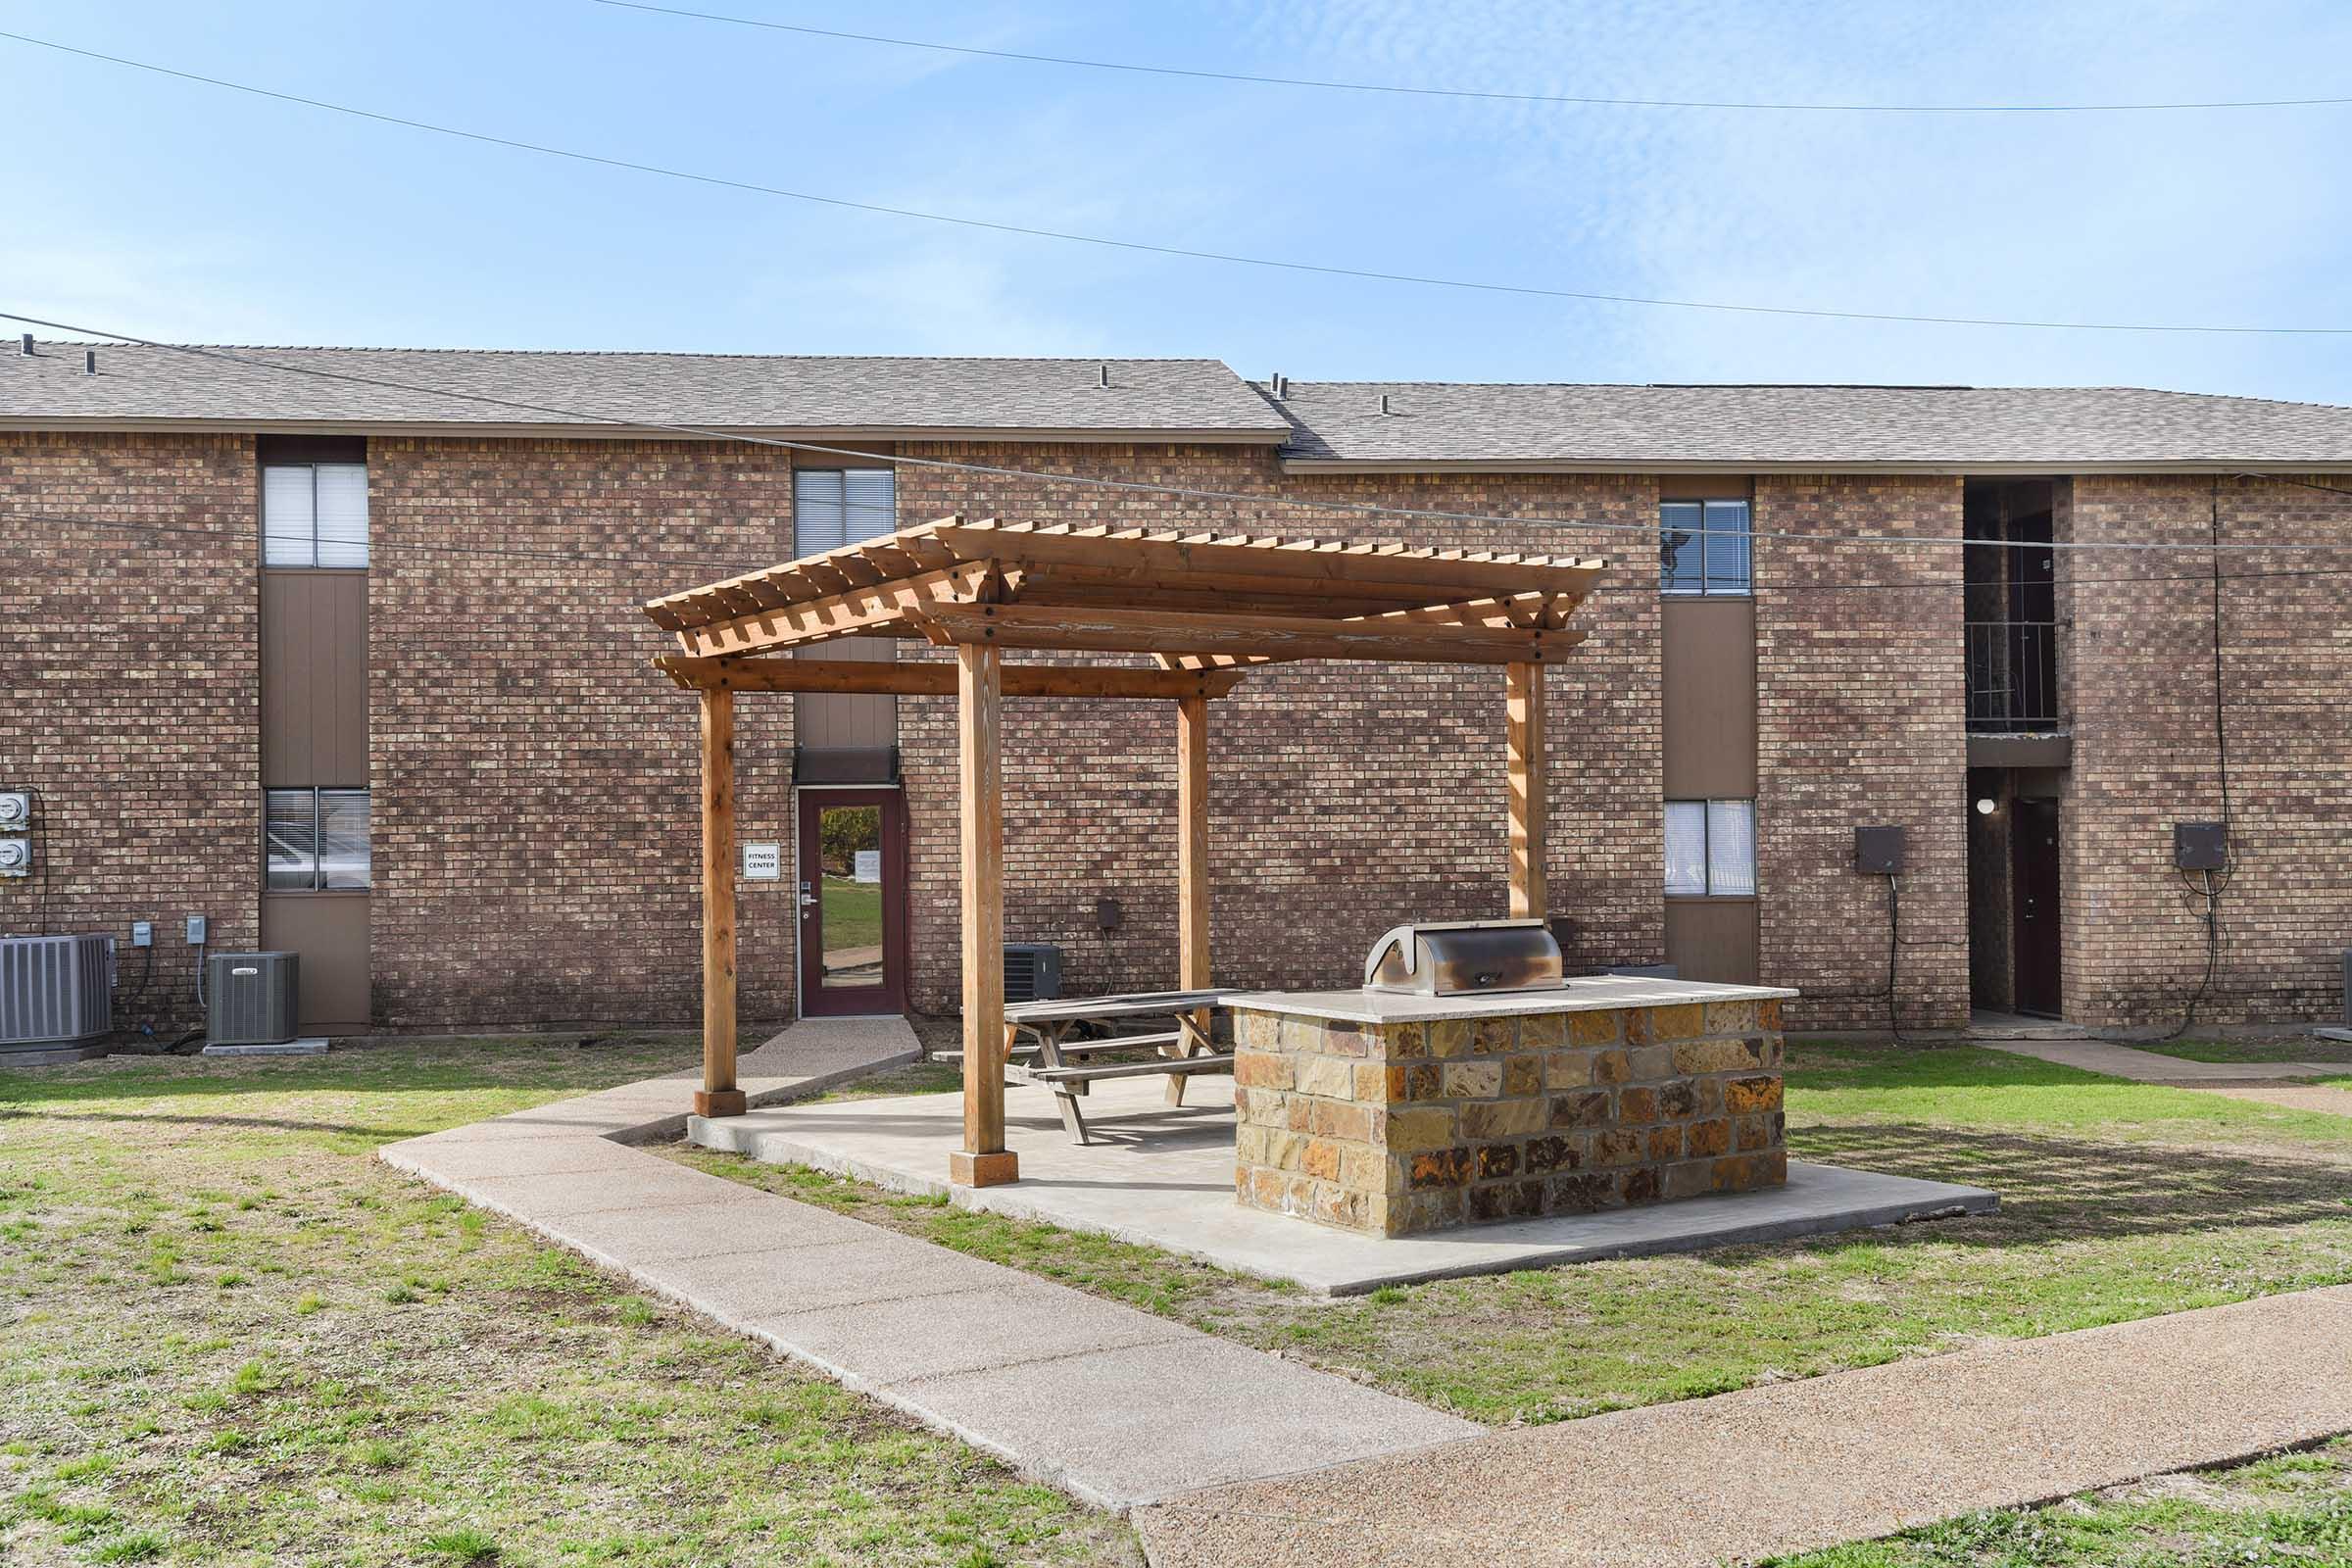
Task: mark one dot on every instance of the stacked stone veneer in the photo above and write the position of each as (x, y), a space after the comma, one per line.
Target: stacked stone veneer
(1401, 1127)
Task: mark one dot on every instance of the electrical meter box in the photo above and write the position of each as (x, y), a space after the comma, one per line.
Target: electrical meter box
(2200, 846)
(1879, 851)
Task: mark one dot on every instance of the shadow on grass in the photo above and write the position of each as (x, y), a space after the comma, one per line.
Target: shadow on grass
(2064, 1188)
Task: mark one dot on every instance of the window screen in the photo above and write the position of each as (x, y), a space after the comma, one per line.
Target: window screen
(836, 507)
(1703, 547)
(314, 515)
(1711, 849)
(315, 840)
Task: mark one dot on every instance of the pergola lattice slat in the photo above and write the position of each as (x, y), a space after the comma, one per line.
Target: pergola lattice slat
(1207, 607)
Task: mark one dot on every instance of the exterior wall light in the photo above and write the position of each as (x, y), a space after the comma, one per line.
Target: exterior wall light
(1985, 806)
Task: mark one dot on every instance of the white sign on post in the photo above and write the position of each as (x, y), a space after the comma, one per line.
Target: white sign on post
(865, 865)
(762, 862)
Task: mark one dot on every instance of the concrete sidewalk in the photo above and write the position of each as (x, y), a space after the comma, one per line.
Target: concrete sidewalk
(1117, 1405)
(1799, 1466)
(2112, 1060)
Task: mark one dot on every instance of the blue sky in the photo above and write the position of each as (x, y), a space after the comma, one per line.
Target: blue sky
(180, 211)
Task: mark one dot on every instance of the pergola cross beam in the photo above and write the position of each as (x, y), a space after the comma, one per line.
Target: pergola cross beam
(1209, 608)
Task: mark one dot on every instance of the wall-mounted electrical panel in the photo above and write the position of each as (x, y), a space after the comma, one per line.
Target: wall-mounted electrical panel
(1879, 851)
(15, 833)
(2201, 846)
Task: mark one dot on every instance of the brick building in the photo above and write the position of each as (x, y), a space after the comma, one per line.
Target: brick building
(356, 670)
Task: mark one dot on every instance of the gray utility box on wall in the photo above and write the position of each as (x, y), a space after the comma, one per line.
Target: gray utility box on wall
(56, 991)
(250, 997)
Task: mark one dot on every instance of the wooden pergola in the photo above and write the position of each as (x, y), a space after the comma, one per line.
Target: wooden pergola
(1207, 607)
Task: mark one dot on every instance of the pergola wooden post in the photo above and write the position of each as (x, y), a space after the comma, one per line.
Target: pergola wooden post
(1192, 861)
(1208, 608)
(984, 1160)
(1529, 801)
(718, 1095)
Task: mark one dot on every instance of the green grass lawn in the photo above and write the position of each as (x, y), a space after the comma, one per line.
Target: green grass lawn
(2119, 1200)
(229, 1335)
(2291, 1509)
(2302, 1047)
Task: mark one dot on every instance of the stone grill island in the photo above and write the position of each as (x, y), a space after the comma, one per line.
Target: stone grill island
(1391, 1115)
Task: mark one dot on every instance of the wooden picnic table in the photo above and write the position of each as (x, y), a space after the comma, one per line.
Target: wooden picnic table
(1050, 1055)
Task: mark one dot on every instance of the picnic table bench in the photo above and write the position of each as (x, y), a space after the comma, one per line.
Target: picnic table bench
(1040, 1046)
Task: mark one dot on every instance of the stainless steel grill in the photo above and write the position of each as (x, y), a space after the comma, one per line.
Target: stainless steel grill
(1453, 958)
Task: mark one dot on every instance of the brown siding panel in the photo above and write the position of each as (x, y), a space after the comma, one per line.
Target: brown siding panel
(314, 679)
(330, 932)
(1708, 661)
(1713, 939)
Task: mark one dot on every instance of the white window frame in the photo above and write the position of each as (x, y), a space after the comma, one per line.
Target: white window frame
(1707, 849)
(275, 537)
(1699, 536)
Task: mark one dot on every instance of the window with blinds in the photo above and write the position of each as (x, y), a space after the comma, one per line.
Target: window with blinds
(1711, 849)
(314, 515)
(316, 841)
(836, 507)
(1703, 547)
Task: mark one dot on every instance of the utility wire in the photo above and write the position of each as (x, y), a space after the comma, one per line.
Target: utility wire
(1257, 501)
(1488, 95)
(1227, 258)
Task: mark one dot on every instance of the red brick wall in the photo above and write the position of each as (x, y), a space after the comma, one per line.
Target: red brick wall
(1343, 799)
(1861, 722)
(537, 837)
(131, 670)
(2141, 676)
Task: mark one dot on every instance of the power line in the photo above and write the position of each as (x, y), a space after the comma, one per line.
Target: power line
(1581, 100)
(1143, 247)
(1256, 501)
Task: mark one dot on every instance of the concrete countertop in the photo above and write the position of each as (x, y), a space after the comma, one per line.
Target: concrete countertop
(1589, 994)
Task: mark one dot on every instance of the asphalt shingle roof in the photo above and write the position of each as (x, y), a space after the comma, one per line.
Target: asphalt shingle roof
(745, 391)
(1741, 426)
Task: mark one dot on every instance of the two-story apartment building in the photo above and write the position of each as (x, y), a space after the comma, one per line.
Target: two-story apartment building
(321, 646)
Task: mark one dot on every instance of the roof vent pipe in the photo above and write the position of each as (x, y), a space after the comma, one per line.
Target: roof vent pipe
(1102, 375)
(1384, 404)
(1280, 384)
(24, 345)
(89, 362)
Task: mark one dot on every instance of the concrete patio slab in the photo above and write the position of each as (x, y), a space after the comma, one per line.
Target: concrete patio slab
(2112, 1060)
(623, 1183)
(745, 1287)
(1163, 1177)
(999, 1326)
(707, 1225)
(1797, 1466)
(1130, 1422)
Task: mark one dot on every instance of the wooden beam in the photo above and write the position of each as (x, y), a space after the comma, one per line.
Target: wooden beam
(984, 1160)
(1192, 861)
(1451, 573)
(939, 679)
(837, 615)
(1150, 631)
(718, 1095)
(1530, 787)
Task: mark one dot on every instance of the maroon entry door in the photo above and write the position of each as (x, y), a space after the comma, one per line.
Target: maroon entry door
(2033, 891)
(852, 902)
